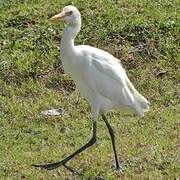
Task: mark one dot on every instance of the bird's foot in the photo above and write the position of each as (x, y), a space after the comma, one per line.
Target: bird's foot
(50, 166)
(118, 168)
(73, 171)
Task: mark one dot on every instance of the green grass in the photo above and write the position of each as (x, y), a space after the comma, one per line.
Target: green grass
(32, 80)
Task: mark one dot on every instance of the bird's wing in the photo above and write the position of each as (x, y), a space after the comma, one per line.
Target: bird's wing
(109, 79)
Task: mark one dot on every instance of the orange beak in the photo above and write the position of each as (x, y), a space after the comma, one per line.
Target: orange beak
(59, 16)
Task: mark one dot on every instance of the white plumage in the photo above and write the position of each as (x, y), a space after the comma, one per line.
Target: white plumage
(98, 75)
(100, 78)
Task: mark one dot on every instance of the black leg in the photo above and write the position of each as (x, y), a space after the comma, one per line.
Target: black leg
(64, 161)
(112, 139)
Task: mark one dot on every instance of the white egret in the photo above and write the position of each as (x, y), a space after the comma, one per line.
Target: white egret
(100, 78)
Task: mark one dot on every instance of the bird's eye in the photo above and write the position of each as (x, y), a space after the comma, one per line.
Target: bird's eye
(69, 13)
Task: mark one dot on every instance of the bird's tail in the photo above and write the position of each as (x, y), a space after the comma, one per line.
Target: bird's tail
(141, 103)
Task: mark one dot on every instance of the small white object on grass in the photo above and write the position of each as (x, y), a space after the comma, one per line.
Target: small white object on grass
(53, 112)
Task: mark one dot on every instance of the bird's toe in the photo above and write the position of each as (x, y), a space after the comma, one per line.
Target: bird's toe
(46, 166)
(118, 169)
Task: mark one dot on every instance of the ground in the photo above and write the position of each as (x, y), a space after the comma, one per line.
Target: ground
(143, 34)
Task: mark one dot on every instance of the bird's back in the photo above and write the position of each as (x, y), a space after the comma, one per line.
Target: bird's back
(103, 81)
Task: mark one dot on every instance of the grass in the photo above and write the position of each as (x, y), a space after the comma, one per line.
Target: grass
(143, 34)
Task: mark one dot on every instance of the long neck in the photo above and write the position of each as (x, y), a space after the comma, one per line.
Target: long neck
(70, 32)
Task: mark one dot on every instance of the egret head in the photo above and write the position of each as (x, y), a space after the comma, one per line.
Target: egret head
(69, 14)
